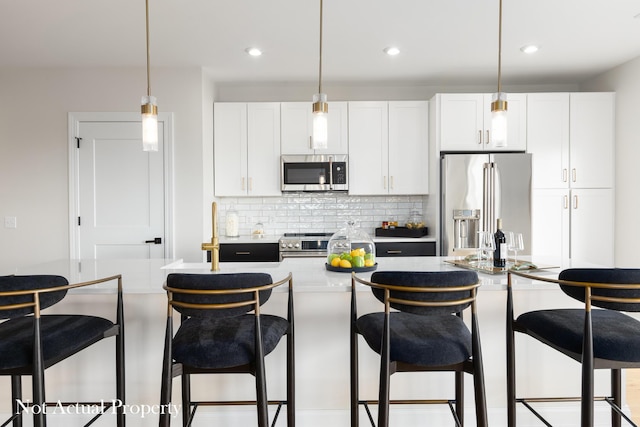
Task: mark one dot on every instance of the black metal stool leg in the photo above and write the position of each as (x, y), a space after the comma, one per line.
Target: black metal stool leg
(616, 394)
(16, 396)
(459, 380)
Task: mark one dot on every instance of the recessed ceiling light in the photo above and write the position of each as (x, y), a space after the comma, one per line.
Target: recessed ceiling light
(253, 51)
(530, 48)
(391, 51)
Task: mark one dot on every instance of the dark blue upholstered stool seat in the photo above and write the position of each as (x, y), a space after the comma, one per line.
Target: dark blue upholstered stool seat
(227, 342)
(599, 336)
(62, 336)
(223, 330)
(616, 336)
(421, 329)
(32, 341)
(437, 340)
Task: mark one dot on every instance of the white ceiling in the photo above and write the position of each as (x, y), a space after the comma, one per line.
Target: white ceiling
(445, 42)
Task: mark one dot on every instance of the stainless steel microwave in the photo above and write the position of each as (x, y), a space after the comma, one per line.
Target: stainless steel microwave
(314, 172)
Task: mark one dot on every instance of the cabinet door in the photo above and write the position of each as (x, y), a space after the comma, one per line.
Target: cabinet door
(592, 139)
(462, 122)
(368, 147)
(338, 142)
(550, 222)
(408, 147)
(296, 128)
(548, 139)
(516, 122)
(230, 148)
(263, 153)
(592, 230)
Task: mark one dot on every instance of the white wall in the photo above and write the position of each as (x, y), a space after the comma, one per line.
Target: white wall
(624, 81)
(34, 159)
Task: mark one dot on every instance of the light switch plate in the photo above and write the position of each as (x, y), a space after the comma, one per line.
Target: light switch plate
(10, 222)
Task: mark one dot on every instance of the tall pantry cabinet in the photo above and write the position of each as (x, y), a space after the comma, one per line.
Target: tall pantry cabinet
(571, 136)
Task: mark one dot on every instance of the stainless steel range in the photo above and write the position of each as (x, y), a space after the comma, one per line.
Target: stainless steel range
(309, 245)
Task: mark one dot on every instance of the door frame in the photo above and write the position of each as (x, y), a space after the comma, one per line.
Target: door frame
(74, 120)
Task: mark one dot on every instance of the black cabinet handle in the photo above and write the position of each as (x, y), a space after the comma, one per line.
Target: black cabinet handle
(157, 241)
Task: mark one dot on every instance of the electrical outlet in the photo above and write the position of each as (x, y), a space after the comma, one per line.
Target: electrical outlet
(10, 222)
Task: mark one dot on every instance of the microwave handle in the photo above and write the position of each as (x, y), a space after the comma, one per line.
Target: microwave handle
(330, 173)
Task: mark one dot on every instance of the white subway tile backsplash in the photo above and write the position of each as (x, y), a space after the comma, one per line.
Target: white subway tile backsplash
(328, 212)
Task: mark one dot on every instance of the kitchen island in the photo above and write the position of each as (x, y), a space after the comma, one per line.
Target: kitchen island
(322, 301)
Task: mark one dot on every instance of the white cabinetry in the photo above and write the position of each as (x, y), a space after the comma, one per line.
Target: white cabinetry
(571, 137)
(388, 147)
(465, 122)
(296, 128)
(247, 149)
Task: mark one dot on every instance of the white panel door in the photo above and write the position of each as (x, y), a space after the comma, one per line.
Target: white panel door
(592, 129)
(408, 147)
(121, 201)
(548, 139)
(550, 223)
(368, 148)
(592, 228)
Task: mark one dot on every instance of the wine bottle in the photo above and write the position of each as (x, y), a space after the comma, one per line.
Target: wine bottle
(500, 251)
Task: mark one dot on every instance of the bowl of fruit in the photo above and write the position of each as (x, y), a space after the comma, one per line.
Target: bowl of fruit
(351, 249)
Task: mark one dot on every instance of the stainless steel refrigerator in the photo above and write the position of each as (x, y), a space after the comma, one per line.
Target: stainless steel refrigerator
(475, 190)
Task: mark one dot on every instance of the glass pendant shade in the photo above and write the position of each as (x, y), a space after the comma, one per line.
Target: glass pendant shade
(149, 124)
(320, 138)
(499, 119)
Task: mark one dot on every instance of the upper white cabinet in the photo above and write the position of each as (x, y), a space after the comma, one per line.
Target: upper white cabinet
(464, 122)
(571, 136)
(247, 149)
(388, 147)
(296, 128)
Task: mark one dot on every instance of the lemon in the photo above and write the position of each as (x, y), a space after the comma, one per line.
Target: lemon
(335, 262)
(345, 264)
(369, 263)
(331, 257)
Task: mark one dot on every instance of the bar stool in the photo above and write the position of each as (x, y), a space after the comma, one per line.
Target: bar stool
(31, 342)
(222, 330)
(424, 332)
(604, 338)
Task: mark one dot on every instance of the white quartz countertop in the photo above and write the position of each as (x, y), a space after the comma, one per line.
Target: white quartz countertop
(309, 274)
(269, 238)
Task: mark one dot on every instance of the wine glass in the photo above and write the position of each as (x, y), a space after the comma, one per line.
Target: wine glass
(515, 244)
(486, 245)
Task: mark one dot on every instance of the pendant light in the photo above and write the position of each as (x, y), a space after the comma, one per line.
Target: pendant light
(499, 101)
(320, 107)
(149, 105)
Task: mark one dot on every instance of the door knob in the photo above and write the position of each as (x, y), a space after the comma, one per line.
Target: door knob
(157, 241)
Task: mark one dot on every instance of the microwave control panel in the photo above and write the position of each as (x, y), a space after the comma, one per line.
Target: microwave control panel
(339, 172)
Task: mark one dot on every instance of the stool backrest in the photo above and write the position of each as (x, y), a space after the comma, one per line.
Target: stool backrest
(608, 278)
(28, 284)
(439, 281)
(225, 289)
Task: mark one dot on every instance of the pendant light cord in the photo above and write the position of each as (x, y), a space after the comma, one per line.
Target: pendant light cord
(147, 33)
(500, 49)
(320, 67)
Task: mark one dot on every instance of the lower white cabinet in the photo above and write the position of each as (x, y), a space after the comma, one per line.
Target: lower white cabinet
(576, 224)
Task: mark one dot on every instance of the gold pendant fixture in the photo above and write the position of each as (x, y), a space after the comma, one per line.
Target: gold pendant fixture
(499, 101)
(149, 105)
(320, 108)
